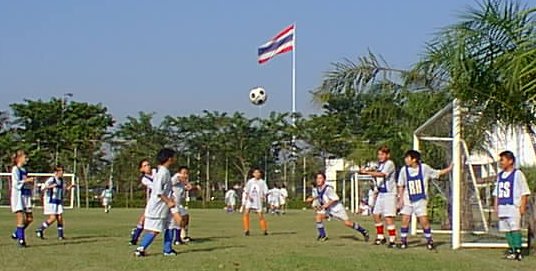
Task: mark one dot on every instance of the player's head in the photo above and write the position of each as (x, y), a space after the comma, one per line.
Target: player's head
(19, 158)
(58, 171)
(107, 187)
(184, 173)
(320, 178)
(257, 173)
(507, 160)
(166, 157)
(412, 158)
(384, 153)
(144, 166)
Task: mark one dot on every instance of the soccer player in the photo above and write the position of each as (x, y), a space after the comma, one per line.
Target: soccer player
(385, 205)
(230, 200)
(511, 192)
(180, 184)
(284, 198)
(255, 195)
(21, 196)
(412, 195)
(54, 189)
(159, 206)
(146, 179)
(274, 198)
(327, 204)
(106, 197)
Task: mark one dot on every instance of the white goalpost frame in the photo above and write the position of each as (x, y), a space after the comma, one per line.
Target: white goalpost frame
(72, 196)
(458, 146)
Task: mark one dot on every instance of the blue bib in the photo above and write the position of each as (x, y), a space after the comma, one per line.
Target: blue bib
(505, 188)
(55, 195)
(382, 188)
(25, 190)
(415, 185)
(320, 194)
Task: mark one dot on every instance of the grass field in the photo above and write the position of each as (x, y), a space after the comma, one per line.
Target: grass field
(98, 241)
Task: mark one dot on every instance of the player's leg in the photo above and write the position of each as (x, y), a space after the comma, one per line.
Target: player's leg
(504, 227)
(136, 232)
(19, 231)
(389, 213)
(246, 221)
(40, 231)
(262, 222)
(59, 219)
(185, 225)
(391, 230)
(319, 220)
(515, 234)
(404, 230)
(153, 227)
(380, 237)
(340, 213)
(427, 230)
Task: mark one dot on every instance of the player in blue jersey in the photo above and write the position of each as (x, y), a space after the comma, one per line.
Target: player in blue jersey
(413, 195)
(146, 179)
(21, 196)
(327, 204)
(54, 189)
(511, 196)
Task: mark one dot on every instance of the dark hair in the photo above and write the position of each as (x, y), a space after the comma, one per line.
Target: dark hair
(508, 155)
(140, 164)
(107, 187)
(384, 149)
(413, 154)
(58, 168)
(181, 168)
(321, 173)
(164, 155)
(255, 169)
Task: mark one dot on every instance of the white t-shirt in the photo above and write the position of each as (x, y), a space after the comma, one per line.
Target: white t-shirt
(179, 190)
(156, 207)
(428, 174)
(256, 191)
(521, 188)
(230, 196)
(147, 181)
(387, 184)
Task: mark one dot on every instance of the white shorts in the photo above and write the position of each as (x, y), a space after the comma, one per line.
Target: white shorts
(283, 201)
(254, 206)
(510, 223)
(385, 205)
(183, 211)
(337, 212)
(21, 204)
(419, 208)
(230, 203)
(105, 202)
(154, 224)
(53, 209)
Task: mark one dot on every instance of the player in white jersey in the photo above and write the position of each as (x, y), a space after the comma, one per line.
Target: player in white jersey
(413, 195)
(106, 198)
(274, 200)
(511, 196)
(326, 202)
(21, 196)
(180, 185)
(146, 179)
(255, 195)
(54, 188)
(284, 198)
(159, 206)
(230, 200)
(385, 204)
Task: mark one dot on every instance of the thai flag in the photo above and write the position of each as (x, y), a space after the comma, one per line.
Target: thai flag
(280, 44)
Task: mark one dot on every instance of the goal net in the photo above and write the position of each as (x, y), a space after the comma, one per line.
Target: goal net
(37, 196)
(462, 204)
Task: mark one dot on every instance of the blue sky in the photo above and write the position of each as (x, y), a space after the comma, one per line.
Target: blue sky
(181, 57)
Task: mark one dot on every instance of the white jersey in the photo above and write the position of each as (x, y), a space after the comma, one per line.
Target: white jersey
(274, 196)
(387, 184)
(179, 190)
(256, 191)
(509, 201)
(230, 197)
(147, 181)
(327, 194)
(416, 185)
(21, 193)
(284, 195)
(106, 194)
(54, 195)
(156, 207)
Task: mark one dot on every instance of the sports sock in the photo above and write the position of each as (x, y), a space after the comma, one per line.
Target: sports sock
(147, 239)
(391, 229)
(509, 239)
(358, 228)
(44, 226)
(428, 234)
(379, 231)
(137, 232)
(245, 222)
(168, 239)
(516, 241)
(321, 229)
(404, 234)
(177, 234)
(60, 230)
(263, 224)
(20, 233)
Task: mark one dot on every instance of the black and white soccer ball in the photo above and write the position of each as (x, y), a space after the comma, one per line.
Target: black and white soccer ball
(258, 96)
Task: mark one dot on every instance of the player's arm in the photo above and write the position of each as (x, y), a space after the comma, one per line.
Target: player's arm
(373, 173)
(332, 198)
(169, 201)
(523, 204)
(445, 170)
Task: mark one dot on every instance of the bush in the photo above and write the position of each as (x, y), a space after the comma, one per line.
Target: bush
(530, 174)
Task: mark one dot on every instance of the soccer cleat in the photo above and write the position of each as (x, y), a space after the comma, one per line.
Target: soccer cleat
(266, 233)
(246, 233)
(322, 238)
(132, 243)
(380, 241)
(518, 256)
(139, 252)
(14, 236)
(430, 245)
(186, 239)
(511, 256)
(391, 245)
(171, 253)
(21, 243)
(61, 238)
(403, 245)
(178, 243)
(40, 234)
(366, 236)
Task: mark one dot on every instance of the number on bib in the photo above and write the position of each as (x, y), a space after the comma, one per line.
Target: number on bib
(504, 190)
(415, 187)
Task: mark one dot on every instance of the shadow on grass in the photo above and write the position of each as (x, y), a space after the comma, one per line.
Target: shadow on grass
(283, 233)
(208, 249)
(352, 237)
(66, 242)
(208, 239)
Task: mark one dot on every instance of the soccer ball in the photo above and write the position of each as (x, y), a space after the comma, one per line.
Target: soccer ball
(258, 96)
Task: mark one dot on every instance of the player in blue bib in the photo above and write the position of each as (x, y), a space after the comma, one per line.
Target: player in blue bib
(146, 179)
(54, 189)
(21, 196)
(413, 197)
(511, 196)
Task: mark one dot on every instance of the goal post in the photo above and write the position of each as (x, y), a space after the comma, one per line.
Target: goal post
(70, 201)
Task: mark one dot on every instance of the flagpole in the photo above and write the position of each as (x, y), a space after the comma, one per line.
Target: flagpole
(294, 78)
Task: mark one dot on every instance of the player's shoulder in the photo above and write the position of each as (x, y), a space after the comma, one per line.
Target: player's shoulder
(390, 163)
(519, 174)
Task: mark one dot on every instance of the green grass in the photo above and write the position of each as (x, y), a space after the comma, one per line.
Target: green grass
(98, 241)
